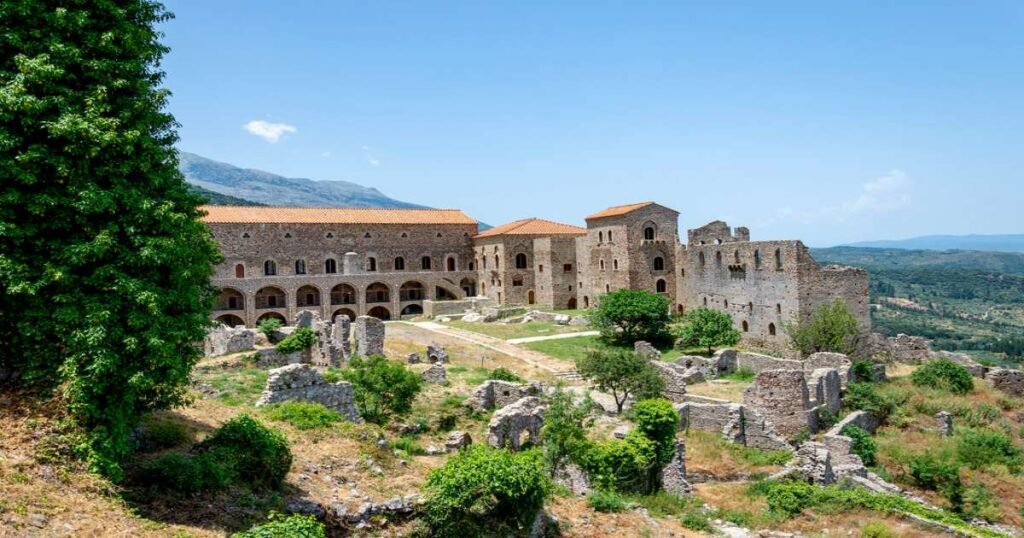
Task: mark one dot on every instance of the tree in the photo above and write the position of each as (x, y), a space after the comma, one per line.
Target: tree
(626, 316)
(565, 429)
(622, 373)
(709, 328)
(382, 387)
(831, 328)
(104, 263)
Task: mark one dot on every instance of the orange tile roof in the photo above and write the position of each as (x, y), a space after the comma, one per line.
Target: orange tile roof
(533, 227)
(615, 211)
(332, 215)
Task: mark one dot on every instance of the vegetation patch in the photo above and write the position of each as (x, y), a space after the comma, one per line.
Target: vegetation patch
(282, 526)
(303, 338)
(943, 374)
(302, 415)
(382, 387)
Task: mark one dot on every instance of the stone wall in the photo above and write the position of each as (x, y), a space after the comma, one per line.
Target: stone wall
(300, 382)
(369, 336)
(555, 272)
(460, 306)
(509, 424)
(223, 340)
(495, 394)
(735, 423)
(1006, 380)
(674, 376)
(782, 396)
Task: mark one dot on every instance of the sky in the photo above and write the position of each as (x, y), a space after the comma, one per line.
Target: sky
(829, 122)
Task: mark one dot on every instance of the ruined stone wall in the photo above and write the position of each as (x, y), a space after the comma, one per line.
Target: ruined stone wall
(460, 306)
(823, 285)
(782, 396)
(556, 270)
(301, 382)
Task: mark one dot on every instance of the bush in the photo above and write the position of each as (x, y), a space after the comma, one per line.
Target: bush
(302, 338)
(504, 374)
(706, 327)
(269, 325)
(302, 415)
(941, 474)
(943, 374)
(382, 387)
(875, 529)
(628, 466)
(564, 432)
(184, 473)
(980, 503)
(863, 445)
(864, 397)
(863, 371)
(979, 449)
(163, 432)
(606, 501)
(696, 521)
(831, 328)
(657, 420)
(626, 316)
(258, 455)
(281, 526)
(482, 489)
(409, 445)
(622, 373)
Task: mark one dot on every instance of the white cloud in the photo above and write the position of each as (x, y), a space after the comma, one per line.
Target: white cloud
(369, 156)
(271, 132)
(886, 193)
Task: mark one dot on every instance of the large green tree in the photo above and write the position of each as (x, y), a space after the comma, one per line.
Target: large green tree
(621, 373)
(104, 263)
(625, 316)
(709, 328)
(831, 328)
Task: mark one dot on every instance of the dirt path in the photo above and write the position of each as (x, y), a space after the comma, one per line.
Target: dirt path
(529, 339)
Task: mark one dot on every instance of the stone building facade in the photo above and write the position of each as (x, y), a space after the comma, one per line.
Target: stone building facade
(386, 262)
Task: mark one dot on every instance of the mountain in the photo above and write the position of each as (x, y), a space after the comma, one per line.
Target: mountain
(271, 189)
(1010, 263)
(216, 198)
(994, 243)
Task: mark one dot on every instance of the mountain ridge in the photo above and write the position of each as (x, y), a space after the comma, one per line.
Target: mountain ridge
(978, 242)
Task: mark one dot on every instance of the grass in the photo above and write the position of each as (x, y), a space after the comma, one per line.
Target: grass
(237, 387)
(302, 415)
(571, 349)
(707, 452)
(506, 331)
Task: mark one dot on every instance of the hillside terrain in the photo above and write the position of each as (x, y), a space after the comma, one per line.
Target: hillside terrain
(265, 188)
(216, 198)
(964, 300)
(996, 243)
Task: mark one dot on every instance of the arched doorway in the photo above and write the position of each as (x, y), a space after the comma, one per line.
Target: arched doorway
(450, 263)
(343, 294)
(412, 310)
(230, 299)
(271, 297)
(239, 271)
(344, 312)
(379, 312)
(586, 302)
(231, 320)
(571, 305)
(468, 286)
(307, 296)
(378, 293)
(412, 291)
(270, 315)
(531, 297)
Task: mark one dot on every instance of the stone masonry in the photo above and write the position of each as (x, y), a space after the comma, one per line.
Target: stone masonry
(369, 335)
(223, 340)
(300, 382)
(783, 398)
(510, 424)
(673, 475)
(496, 394)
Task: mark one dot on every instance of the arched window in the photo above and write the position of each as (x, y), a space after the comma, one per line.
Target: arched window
(718, 258)
(615, 265)
(371, 264)
(771, 329)
(520, 261)
(330, 266)
(239, 271)
(778, 259)
(750, 305)
(609, 236)
(607, 288)
(497, 262)
(757, 259)
(602, 265)
(660, 286)
(778, 309)
(269, 268)
(425, 262)
(300, 267)
(451, 263)
(649, 233)
(659, 263)
(399, 264)
(746, 328)
(700, 258)
(600, 237)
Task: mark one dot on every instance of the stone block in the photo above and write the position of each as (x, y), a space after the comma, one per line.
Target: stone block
(1007, 380)
(369, 335)
(782, 397)
(646, 350)
(673, 475)
(509, 424)
(224, 340)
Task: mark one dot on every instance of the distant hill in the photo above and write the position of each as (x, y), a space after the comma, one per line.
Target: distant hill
(994, 243)
(216, 198)
(1010, 263)
(265, 188)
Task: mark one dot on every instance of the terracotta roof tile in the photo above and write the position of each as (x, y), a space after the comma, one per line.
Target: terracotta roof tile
(615, 211)
(533, 227)
(332, 215)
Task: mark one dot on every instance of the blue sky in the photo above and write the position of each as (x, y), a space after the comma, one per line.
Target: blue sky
(825, 121)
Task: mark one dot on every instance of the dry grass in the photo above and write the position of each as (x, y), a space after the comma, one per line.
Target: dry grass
(708, 453)
(722, 389)
(576, 519)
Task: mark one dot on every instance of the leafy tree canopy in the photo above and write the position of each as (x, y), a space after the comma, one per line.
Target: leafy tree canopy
(104, 264)
(382, 387)
(626, 316)
(709, 328)
(621, 373)
(831, 328)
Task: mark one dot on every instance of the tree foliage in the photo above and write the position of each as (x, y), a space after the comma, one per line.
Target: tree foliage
(831, 328)
(104, 264)
(565, 429)
(706, 327)
(626, 316)
(382, 387)
(621, 373)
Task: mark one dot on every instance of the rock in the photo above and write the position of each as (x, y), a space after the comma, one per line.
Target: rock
(944, 423)
(435, 374)
(224, 340)
(495, 394)
(369, 335)
(301, 382)
(444, 320)
(574, 478)
(621, 431)
(305, 507)
(579, 321)
(1007, 380)
(306, 318)
(457, 440)
(562, 319)
(509, 423)
(646, 350)
(414, 358)
(436, 353)
(472, 317)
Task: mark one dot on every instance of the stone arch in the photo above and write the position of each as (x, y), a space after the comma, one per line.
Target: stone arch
(659, 262)
(307, 296)
(378, 292)
(271, 315)
(586, 302)
(746, 326)
(239, 270)
(230, 299)
(412, 310)
(468, 286)
(269, 268)
(451, 264)
(330, 266)
(425, 263)
(771, 329)
(344, 312)
(380, 312)
(661, 286)
(521, 261)
(343, 294)
(371, 264)
(300, 267)
(650, 231)
(531, 297)
(412, 291)
(271, 297)
(571, 305)
(444, 294)
(231, 320)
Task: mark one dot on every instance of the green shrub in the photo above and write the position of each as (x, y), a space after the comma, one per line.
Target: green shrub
(606, 501)
(657, 420)
(863, 371)
(269, 325)
(382, 387)
(943, 374)
(184, 473)
(564, 432)
(664, 504)
(281, 526)
(163, 432)
(697, 521)
(626, 316)
(481, 490)
(628, 466)
(979, 449)
(831, 328)
(863, 445)
(302, 415)
(938, 473)
(302, 338)
(708, 328)
(980, 503)
(409, 445)
(744, 375)
(864, 397)
(258, 455)
(875, 529)
(621, 373)
(504, 374)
